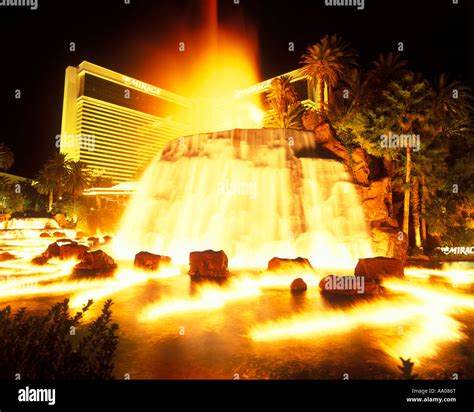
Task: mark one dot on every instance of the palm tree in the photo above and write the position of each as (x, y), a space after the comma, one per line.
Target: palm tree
(45, 184)
(430, 176)
(416, 204)
(325, 63)
(79, 178)
(427, 180)
(452, 99)
(6, 157)
(450, 118)
(386, 69)
(59, 167)
(439, 117)
(285, 107)
(359, 92)
(407, 100)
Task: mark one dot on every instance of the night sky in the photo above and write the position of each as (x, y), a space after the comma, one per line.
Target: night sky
(134, 38)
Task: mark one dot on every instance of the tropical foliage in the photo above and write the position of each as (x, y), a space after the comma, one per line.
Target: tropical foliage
(325, 63)
(435, 179)
(78, 179)
(67, 348)
(61, 175)
(11, 196)
(6, 157)
(285, 108)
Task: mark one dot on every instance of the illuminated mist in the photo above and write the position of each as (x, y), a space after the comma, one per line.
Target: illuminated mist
(246, 192)
(208, 60)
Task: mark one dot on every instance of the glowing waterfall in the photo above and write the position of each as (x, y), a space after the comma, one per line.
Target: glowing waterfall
(249, 193)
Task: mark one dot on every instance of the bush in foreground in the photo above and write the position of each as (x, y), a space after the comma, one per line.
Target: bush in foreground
(56, 345)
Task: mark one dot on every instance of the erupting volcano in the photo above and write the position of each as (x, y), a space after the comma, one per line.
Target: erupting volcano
(254, 194)
(234, 197)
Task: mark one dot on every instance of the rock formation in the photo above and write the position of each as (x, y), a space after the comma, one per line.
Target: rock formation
(373, 179)
(4, 256)
(97, 260)
(150, 262)
(62, 249)
(298, 285)
(379, 268)
(277, 264)
(208, 263)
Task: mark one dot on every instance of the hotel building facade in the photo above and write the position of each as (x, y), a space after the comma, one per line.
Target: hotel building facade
(116, 124)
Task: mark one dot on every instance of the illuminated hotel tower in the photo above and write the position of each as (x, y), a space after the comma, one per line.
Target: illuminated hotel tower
(116, 124)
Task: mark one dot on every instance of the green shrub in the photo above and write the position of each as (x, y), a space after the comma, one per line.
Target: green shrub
(56, 345)
(407, 369)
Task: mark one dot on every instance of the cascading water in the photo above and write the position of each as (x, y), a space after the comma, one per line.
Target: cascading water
(26, 228)
(253, 193)
(36, 223)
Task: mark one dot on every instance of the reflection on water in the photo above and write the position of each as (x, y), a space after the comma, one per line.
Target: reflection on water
(252, 327)
(216, 342)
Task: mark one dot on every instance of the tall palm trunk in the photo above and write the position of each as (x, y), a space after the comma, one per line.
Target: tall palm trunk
(416, 211)
(388, 166)
(328, 99)
(321, 94)
(406, 204)
(50, 202)
(424, 195)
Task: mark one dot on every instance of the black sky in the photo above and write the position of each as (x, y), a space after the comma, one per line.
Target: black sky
(128, 38)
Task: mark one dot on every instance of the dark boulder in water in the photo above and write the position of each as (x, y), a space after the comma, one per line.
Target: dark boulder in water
(72, 250)
(62, 249)
(208, 263)
(97, 260)
(6, 256)
(290, 265)
(52, 251)
(379, 268)
(150, 261)
(298, 285)
(39, 260)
